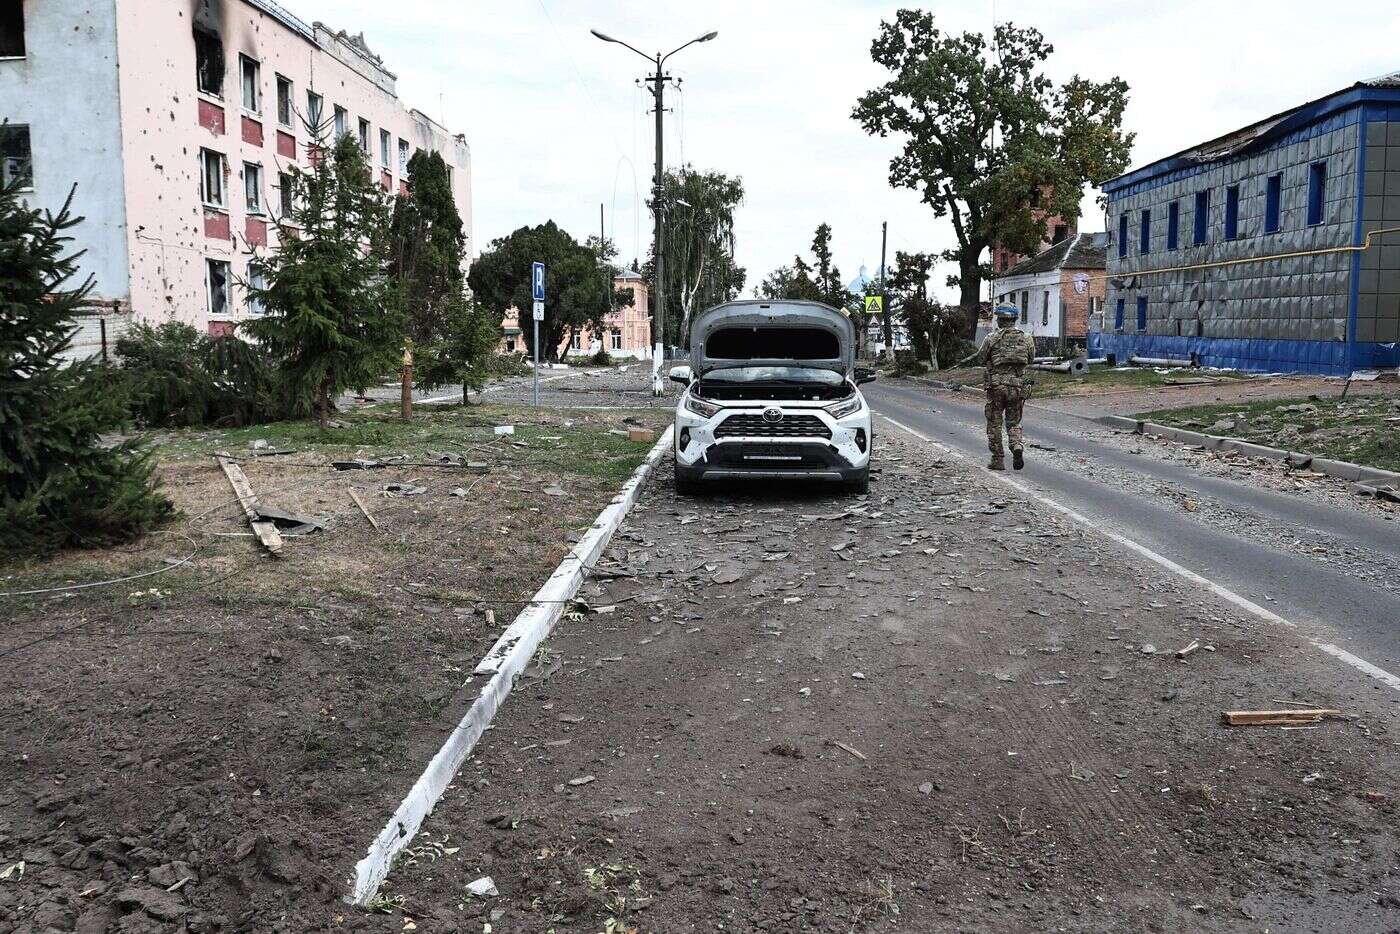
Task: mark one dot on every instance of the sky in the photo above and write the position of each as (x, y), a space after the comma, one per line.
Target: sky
(557, 125)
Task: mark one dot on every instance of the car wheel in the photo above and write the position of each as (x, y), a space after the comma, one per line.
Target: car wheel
(686, 486)
(859, 484)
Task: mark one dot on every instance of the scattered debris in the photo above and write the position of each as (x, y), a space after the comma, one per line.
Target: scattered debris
(641, 434)
(927, 788)
(851, 749)
(373, 522)
(582, 780)
(1188, 649)
(404, 489)
(485, 887)
(788, 750)
(502, 430)
(858, 675)
(264, 529)
(1277, 717)
(554, 491)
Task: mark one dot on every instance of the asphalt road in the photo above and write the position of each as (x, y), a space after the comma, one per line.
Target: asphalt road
(1355, 614)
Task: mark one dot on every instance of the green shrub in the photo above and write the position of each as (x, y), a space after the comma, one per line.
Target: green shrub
(177, 377)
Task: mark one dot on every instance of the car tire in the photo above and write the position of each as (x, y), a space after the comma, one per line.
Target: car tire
(686, 486)
(858, 484)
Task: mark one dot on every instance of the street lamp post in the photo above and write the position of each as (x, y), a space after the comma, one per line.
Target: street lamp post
(658, 80)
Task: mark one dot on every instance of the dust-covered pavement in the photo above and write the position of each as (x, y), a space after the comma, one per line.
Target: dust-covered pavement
(940, 707)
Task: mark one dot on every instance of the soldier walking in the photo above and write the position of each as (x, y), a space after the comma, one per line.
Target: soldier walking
(1005, 354)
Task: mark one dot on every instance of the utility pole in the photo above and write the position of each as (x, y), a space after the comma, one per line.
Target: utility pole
(605, 340)
(884, 295)
(658, 80)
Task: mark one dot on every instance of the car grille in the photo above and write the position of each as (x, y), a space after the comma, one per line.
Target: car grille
(791, 426)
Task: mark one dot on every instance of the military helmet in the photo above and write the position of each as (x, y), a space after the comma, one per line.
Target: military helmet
(1006, 311)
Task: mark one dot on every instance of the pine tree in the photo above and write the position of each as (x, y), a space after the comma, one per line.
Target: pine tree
(331, 319)
(59, 484)
(427, 247)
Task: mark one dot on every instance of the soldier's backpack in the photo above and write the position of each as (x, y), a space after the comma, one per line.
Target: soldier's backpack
(1008, 350)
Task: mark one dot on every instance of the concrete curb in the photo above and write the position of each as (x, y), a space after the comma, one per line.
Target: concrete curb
(1342, 470)
(504, 663)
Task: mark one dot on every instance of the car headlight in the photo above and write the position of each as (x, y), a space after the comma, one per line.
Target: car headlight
(844, 408)
(700, 407)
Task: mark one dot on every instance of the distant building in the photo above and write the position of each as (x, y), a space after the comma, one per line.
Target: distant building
(1057, 230)
(176, 119)
(627, 335)
(1246, 251)
(1058, 291)
(872, 340)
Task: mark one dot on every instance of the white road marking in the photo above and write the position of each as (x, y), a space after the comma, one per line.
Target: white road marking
(1244, 603)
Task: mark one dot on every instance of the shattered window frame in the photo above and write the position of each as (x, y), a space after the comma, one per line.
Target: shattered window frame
(12, 29)
(211, 179)
(285, 194)
(386, 142)
(209, 62)
(341, 117)
(404, 153)
(16, 155)
(315, 107)
(216, 279)
(284, 100)
(364, 130)
(257, 279)
(252, 187)
(250, 68)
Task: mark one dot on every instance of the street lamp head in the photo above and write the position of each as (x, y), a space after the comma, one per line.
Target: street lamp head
(604, 37)
(707, 37)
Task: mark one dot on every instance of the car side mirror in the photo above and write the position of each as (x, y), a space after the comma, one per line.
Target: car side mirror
(864, 375)
(680, 374)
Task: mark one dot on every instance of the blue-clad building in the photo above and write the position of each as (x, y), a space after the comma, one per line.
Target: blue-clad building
(1275, 248)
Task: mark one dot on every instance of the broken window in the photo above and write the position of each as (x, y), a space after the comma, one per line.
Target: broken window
(284, 193)
(384, 145)
(403, 157)
(1061, 232)
(314, 105)
(217, 271)
(16, 164)
(340, 118)
(257, 280)
(209, 61)
(11, 28)
(284, 101)
(251, 73)
(211, 177)
(364, 136)
(252, 187)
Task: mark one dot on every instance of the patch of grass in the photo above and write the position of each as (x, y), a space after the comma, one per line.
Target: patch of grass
(1361, 429)
(1105, 379)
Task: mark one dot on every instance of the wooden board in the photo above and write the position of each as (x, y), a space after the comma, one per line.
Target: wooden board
(265, 531)
(1277, 717)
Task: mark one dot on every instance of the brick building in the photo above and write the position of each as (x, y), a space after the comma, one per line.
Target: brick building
(1251, 250)
(1057, 230)
(1058, 291)
(176, 120)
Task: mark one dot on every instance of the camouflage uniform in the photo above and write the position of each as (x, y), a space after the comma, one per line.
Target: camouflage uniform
(1005, 353)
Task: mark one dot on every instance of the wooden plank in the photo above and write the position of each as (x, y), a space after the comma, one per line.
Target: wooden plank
(374, 523)
(1277, 717)
(265, 531)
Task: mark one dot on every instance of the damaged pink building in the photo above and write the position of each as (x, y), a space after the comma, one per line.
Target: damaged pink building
(178, 120)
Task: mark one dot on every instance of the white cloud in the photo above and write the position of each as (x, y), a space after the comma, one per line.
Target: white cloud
(557, 126)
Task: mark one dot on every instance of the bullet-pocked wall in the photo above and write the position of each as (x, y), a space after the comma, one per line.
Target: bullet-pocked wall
(1240, 254)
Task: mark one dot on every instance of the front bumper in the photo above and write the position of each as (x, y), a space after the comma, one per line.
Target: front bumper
(845, 455)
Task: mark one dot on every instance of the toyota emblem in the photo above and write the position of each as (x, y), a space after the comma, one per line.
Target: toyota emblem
(772, 415)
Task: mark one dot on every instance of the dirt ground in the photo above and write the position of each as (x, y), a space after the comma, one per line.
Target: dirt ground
(212, 748)
(935, 708)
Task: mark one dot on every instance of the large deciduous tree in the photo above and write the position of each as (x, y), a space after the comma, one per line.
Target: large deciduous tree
(983, 127)
(60, 484)
(699, 238)
(579, 293)
(332, 319)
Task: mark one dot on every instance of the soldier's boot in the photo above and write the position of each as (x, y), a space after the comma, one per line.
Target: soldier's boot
(998, 463)
(1018, 460)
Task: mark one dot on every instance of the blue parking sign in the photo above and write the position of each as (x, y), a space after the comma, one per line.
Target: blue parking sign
(537, 278)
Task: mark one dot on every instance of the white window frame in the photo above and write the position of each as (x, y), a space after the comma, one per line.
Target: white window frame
(386, 143)
(7, 171)
(315, 108)
(617, 338)
(243, 62)
(253, 188)
(221, 177)
(340, 118)
(365, 131)
(405, 152)
(257, 278)
(209, 263)
(284, 82)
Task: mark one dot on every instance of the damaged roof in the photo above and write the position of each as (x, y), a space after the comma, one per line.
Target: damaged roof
(1258, 133)
(1082, 251)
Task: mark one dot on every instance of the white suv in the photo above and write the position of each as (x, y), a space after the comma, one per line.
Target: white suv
(771, 392)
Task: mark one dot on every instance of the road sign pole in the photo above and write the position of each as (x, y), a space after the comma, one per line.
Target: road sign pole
(537, 362)
(537, 313)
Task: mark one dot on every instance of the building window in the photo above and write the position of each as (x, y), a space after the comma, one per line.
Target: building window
(1061, 232)
(11, 28)
(1202, 220)
(1122, 236)
(385, 144)
(403, 157)
(1118, 316)
(1232, 212)
(314, 105)
(1025, 306)
(257, 280)
(1317, 190)
(252, 187)
(1173, 224)
(577, 342)
(1044, 309)
(211, 178)
(251, 73)
(209, 62)
(284, 101)
(1142, 313)
(16, 160)
(1145, 234)
(284, 193)
(340, 121)
(1273, 195)
(617, 338)
(217, 273)
(364, 136)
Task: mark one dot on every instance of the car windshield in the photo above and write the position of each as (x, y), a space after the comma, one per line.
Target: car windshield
(775, 374)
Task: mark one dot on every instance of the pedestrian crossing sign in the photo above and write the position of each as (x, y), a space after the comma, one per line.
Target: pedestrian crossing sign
(874, 304)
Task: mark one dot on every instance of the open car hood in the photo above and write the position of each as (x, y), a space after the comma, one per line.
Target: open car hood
(772, 333)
